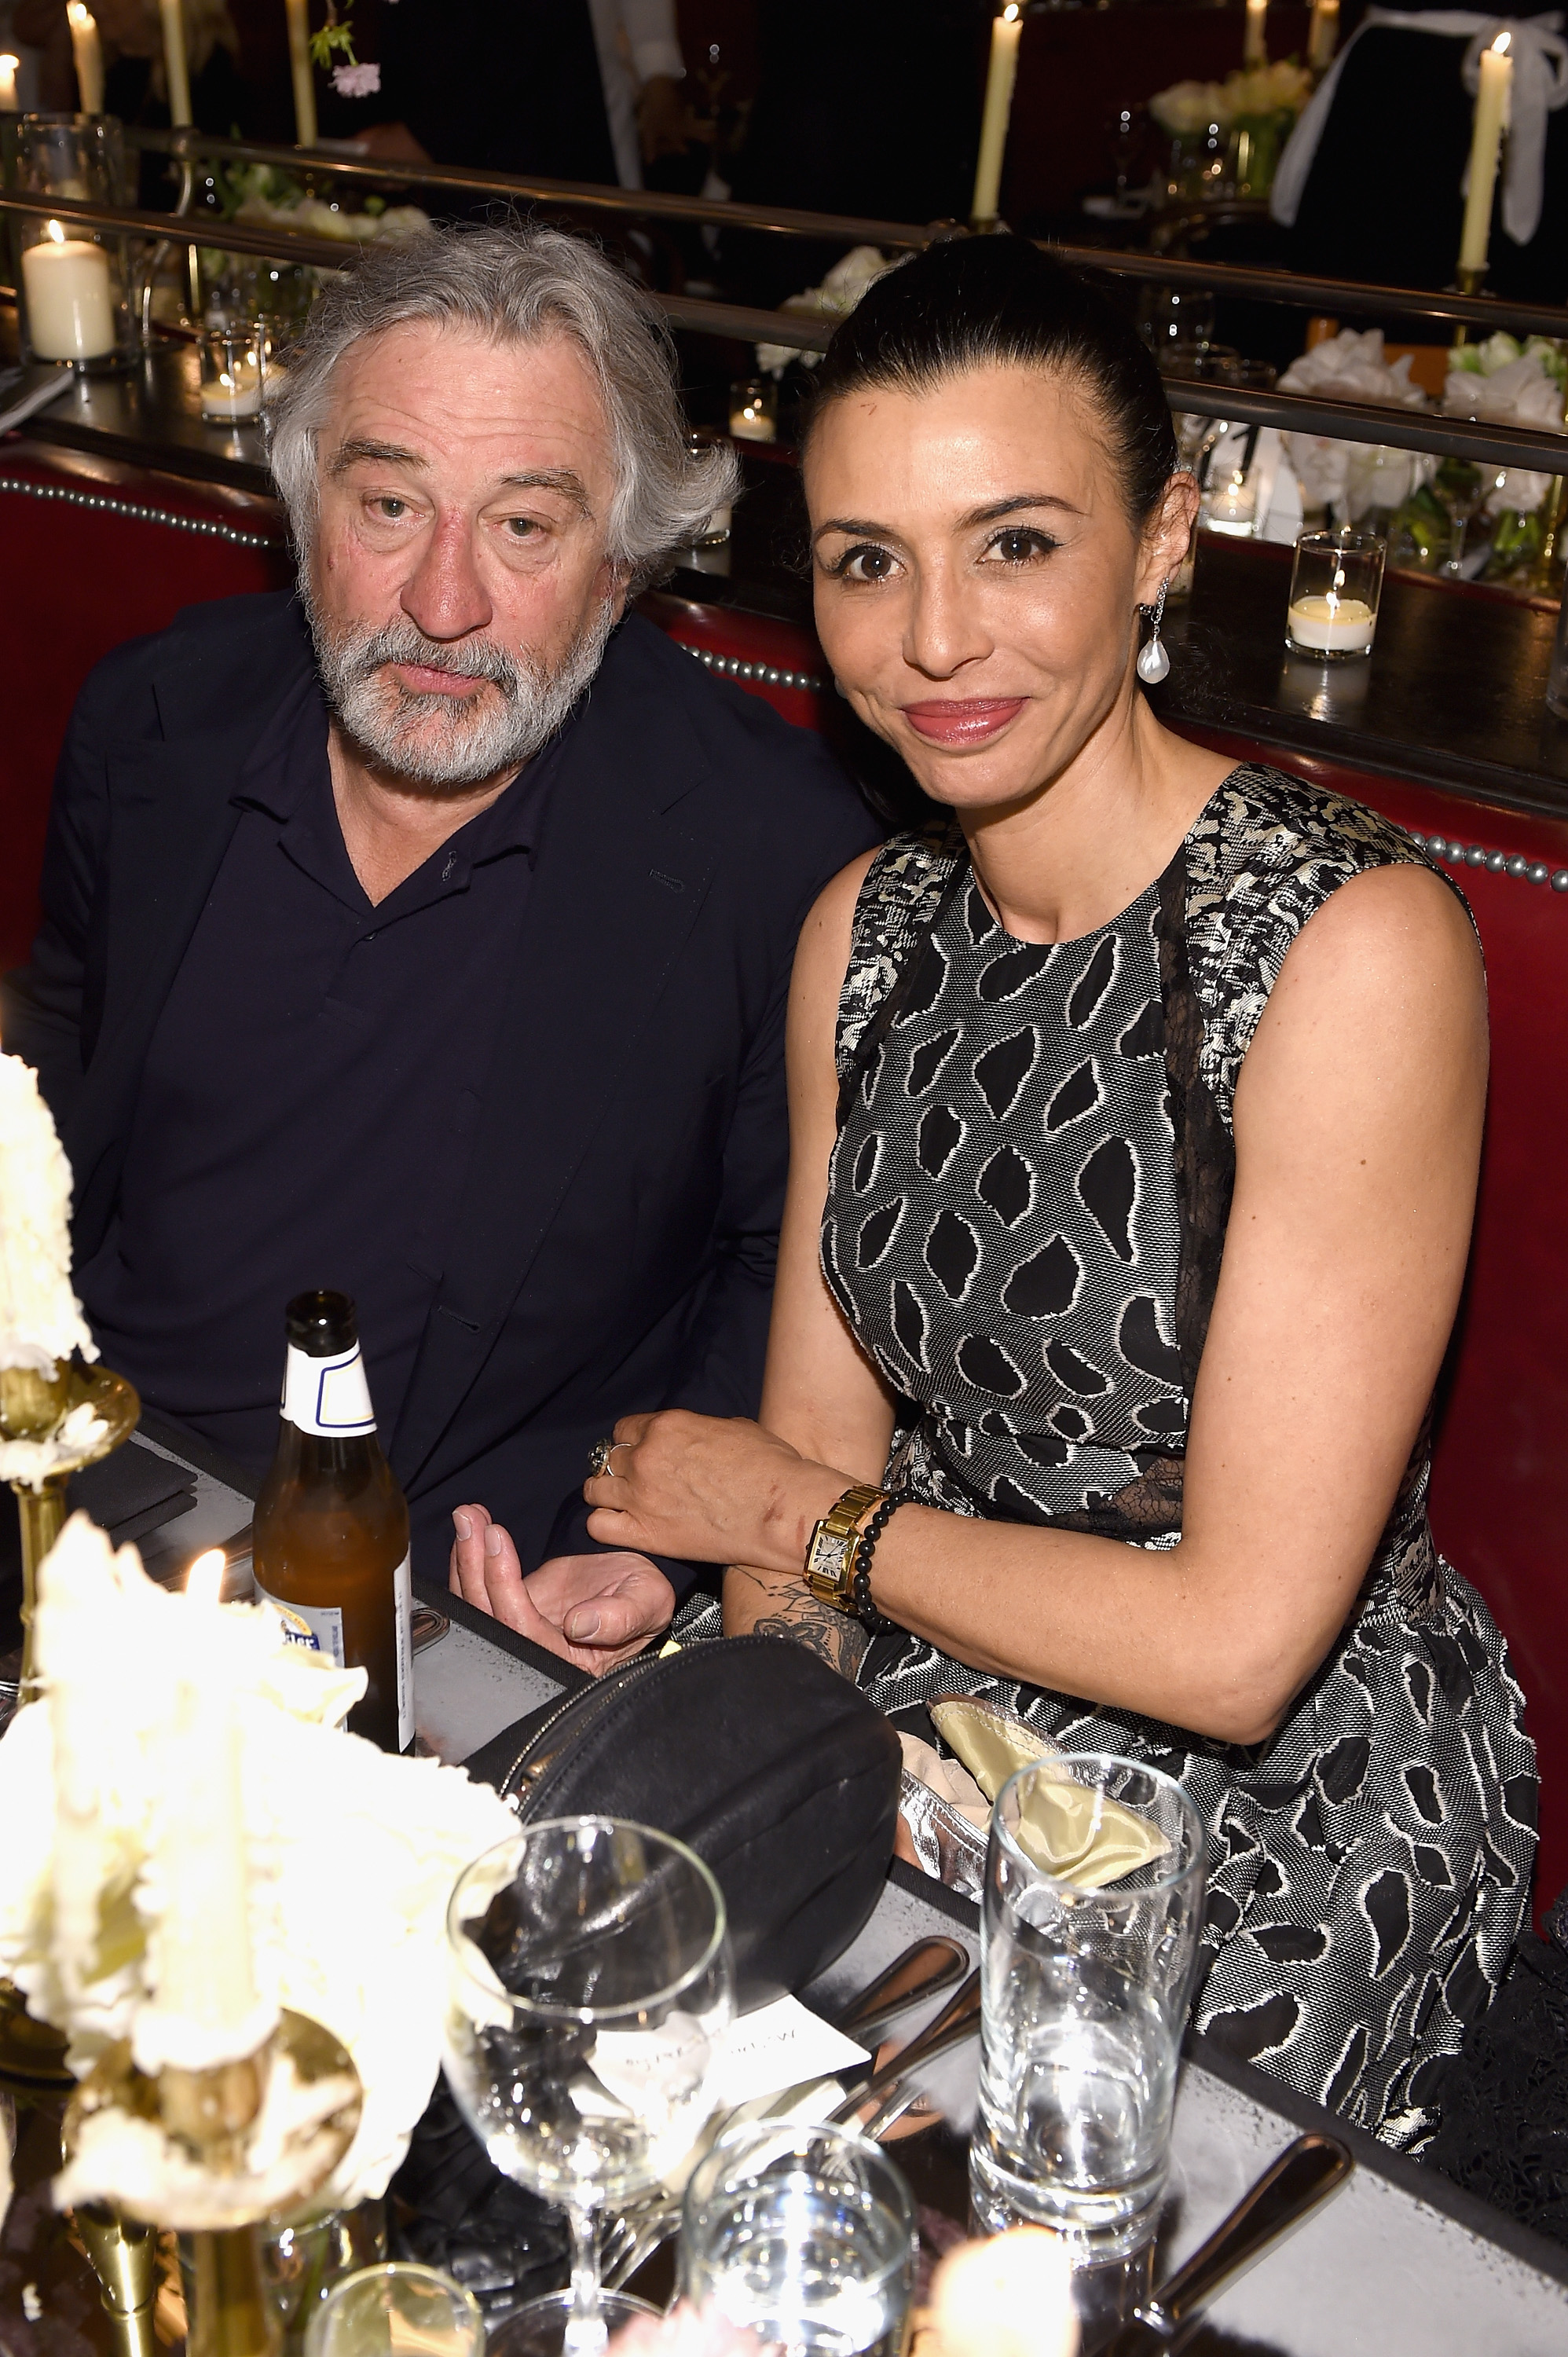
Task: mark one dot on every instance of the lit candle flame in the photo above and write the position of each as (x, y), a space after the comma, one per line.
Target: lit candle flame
(204, 1580)
(1010, 14)
(1500, 46)
(56, 229)
(83, 19)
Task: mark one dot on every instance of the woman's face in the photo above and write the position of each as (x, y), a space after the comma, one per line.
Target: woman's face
(977, 577)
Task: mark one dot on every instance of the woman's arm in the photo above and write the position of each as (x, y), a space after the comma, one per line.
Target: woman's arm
(821, 1395)
(1358, 1124)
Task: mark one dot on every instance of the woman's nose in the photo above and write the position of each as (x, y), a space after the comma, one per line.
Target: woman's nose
(942, 629)
(445, 595)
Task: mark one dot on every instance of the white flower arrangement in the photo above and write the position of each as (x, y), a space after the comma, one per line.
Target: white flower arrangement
(1252, 92)
(352, 1854)
(1505, 382)
(833, 300)
(1346, 476)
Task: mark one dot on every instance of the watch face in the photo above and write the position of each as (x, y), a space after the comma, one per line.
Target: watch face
(832, 1555)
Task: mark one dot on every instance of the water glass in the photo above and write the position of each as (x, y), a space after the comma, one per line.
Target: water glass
(397, 2311)
(1334, 585)
(806, 2235)
(1085, 1988)
(234, 369)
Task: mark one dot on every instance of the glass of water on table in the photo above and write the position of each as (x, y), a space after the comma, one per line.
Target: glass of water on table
(1093, 1903)
(806, 2234)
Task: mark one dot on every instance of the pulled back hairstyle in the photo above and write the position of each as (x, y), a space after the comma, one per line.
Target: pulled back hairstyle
(987, 302)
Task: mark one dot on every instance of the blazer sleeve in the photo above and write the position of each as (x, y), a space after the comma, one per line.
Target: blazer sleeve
(49, 1007)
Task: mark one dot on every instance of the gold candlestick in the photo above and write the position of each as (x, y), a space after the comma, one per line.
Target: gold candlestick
(216, 2188)
(123, 2256)
(34, 1407)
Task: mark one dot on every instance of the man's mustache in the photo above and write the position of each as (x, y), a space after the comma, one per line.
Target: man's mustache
(405, 643)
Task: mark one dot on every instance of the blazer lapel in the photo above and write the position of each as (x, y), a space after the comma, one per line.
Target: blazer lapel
(617, 890)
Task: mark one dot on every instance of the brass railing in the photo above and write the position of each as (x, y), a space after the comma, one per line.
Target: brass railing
(1485, 444)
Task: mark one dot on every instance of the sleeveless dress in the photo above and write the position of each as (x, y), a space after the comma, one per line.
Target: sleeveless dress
(1025, 1220)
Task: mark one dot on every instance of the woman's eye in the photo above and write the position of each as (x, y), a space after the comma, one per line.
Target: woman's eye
(868, 563)
(1017, 546)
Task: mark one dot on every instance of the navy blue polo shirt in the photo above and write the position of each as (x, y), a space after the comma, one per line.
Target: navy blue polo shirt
(309, 1096)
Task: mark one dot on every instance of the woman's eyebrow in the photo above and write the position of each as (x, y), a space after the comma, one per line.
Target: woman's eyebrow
(855, 529)
(996, 509)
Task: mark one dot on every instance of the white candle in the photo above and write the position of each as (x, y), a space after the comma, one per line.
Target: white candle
(1333, 625)
(300, 66)
(205, 2009)
(235, 392)
(1255, 47)
(70, 309)
(1492, 101)
(1324, 37)
(8, 69)
(175, 69)
(89, 55)
(1006, 32)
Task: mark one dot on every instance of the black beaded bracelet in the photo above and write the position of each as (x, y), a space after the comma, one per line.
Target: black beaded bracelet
(860, 1589)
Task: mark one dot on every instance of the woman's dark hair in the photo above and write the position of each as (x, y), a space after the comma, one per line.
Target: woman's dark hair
(983, 302)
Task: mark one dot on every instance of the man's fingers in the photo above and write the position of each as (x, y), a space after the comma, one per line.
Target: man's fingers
(466, 1576)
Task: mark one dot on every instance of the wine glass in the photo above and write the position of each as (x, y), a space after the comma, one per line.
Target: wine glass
(590, 1988)
(1462, 488)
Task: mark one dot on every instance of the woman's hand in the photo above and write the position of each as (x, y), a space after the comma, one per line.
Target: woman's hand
(714, 1488)
(596, 1610)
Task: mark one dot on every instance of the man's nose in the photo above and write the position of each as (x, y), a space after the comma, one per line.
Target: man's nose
(445, 595)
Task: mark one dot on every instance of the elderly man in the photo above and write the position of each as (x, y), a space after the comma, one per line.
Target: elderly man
(380, 954)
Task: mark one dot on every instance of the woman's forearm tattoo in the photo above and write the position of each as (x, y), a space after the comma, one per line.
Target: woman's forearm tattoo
(836, 1637)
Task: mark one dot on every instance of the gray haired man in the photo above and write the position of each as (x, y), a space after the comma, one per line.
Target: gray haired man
(379, 952)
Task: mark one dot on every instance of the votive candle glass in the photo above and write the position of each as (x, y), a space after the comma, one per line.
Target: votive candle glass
(1335, 583)
(232, 373)
(753, 409)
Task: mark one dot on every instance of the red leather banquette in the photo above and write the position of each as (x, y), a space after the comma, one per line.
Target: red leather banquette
(89, 559)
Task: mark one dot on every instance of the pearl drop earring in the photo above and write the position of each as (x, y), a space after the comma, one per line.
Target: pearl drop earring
(1153, 663)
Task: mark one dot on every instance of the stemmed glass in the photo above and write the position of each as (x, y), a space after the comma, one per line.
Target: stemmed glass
(1462, 488)
(590, 1986)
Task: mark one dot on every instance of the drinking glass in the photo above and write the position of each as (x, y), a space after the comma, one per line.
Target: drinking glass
(1084, 1997)
(233, 369)
(1462, 490)
(70, 280)
(397, 2311)
(1335, 583)
(753, 409)
(590, 1987)
(806, 2234)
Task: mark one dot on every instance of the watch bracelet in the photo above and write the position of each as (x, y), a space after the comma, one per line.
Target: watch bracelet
(865, 1611)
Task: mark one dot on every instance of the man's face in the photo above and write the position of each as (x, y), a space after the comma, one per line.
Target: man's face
(459, 587)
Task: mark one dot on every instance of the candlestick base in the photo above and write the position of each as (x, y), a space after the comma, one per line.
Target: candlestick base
(66, 1419)
(124, 2258)
(210, 2153)
(1470, 278)
(988, 225)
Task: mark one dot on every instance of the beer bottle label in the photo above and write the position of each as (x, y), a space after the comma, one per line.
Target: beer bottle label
(329, 1396)
(402, 1609)
(317, 1627)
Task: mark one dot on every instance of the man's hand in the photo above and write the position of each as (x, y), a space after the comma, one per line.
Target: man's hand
(661, 118)
(596, 1610)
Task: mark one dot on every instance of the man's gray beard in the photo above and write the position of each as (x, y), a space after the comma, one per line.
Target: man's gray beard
(437, 741)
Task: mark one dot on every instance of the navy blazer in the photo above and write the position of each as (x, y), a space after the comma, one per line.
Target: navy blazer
(614, 1244)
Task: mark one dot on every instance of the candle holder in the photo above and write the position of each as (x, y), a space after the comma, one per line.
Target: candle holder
(71, 1417)
(71, 283)
(212, 2153)
(1334, 585)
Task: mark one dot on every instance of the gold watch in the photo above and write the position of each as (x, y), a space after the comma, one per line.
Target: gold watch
(835, 1545)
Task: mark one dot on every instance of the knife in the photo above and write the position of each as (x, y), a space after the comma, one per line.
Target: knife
(1290, 2189)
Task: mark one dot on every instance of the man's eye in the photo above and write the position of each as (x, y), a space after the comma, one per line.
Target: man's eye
(521, 527)
(391, 509)
(866, 563)
(1018, 545)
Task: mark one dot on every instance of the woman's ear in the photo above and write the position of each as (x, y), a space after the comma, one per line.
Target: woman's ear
(1167, 533)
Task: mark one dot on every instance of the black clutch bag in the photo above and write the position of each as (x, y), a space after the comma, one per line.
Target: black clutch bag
(773, 1768)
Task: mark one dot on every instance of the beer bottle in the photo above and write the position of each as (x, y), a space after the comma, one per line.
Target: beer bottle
(331, 1527)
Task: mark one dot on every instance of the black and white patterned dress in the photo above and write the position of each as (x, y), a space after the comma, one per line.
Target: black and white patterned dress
(1025, 1221)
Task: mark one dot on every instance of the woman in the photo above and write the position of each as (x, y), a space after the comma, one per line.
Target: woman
(1136, 1111)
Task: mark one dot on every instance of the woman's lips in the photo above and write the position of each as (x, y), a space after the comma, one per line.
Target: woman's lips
(947, 721)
